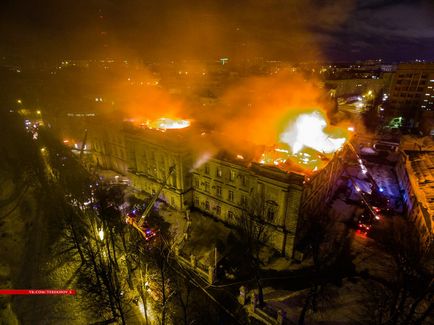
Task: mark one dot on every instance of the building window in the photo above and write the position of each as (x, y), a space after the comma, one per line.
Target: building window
(243, 201)
(218, 210)
(271, 209)
(270, 214)
(231, 196)
(196, 182)
(218, 190)
(206, 187)
(244, 180)
(207, 205)
(196, 201)
(232, 175)
(219, 172)
(230, 215)
(207, 169)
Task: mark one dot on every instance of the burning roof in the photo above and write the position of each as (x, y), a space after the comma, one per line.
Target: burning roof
(305, 146)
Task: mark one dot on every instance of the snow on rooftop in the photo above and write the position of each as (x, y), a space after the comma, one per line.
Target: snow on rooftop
(420, 166)
(412, 143)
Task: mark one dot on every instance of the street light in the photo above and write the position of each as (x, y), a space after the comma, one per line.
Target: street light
(101, 234)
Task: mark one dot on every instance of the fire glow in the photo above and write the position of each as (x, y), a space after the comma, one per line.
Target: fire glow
(305, 143)
(308, 132)
(165, 123)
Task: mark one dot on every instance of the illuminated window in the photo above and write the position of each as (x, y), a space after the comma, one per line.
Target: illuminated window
(219, 172)
(231, 196)
(232, 176)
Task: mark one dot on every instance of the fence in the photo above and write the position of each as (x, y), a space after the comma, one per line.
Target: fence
(205, 272)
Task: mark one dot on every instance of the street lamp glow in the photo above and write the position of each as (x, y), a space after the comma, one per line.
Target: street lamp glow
(19, 101)
(101, 234)
(38, 112)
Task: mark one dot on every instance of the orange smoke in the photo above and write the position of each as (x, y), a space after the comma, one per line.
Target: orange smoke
(284, 112)
(141, 97)
(260, 108)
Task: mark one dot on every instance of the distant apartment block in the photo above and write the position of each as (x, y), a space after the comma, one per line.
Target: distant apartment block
(411, 91)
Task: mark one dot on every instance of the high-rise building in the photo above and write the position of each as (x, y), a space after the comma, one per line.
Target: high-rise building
(411, 91)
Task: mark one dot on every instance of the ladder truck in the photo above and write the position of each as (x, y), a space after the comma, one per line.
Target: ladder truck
(139, 223)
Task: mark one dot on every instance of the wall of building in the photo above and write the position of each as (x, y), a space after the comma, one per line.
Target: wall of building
(412, 91)
(230, 191)
(149, 164)
(417, 210)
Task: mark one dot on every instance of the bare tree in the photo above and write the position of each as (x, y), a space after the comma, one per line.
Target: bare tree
(252, 231)
(328, 245)
(406, 296)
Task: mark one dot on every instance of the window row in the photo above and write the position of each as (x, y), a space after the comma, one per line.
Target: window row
(222, 172)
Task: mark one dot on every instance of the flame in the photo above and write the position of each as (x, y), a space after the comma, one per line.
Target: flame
(165, 123)
(304, 145)
(308, 131)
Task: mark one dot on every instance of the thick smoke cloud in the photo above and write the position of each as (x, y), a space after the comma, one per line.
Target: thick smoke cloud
(168, 29)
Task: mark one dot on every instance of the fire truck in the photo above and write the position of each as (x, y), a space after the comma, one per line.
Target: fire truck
(139, 222)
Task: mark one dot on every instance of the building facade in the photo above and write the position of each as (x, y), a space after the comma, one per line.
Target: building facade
(226, 187)
(411, 90)
(230, 190)
(415, 171)
(149, 158)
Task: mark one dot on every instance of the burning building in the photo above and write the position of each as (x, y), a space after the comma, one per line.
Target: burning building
(225, 186)
(277, 190)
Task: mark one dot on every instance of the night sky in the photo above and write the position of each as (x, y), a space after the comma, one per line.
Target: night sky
(204, 29)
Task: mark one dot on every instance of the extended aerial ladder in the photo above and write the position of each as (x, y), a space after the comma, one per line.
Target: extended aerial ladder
(146, 232)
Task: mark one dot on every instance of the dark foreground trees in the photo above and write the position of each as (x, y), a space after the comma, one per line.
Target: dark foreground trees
(253, 235)
(328, 243)
(406, 296)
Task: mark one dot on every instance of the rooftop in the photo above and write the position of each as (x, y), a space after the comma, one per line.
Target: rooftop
(420, 166)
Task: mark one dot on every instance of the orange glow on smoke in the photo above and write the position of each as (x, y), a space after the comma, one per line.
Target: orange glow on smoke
(283, 113)
(287, 115)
